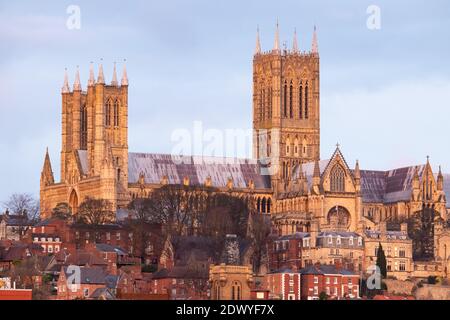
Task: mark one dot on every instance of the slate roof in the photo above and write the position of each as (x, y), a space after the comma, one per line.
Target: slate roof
(104, 247)
(197, 168)
(394, 235)
(16, 220)
(102, 293)
(90, 275)
(376, 186)
(325, 269)
(180, 272)
(342, 234)
(388, 186)
(296, 235)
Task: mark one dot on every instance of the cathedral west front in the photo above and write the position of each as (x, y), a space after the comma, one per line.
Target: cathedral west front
(302, 190)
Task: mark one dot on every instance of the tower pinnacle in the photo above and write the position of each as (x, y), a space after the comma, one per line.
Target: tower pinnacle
(294, 43)
(114, 78)
(276, 45)
(77, 83)
(124, 81)
(65, 87)
(91, 80)
(315, 46)
(101, 76)
(258, 44)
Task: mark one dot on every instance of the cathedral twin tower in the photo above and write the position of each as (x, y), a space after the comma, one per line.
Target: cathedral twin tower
(94, 153)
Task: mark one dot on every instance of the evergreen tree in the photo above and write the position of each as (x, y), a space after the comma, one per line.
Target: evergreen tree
(381, 261)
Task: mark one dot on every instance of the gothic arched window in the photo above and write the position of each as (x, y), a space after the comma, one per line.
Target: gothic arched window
(270, 103)
(116, 113)
(263, 103)
(300, 101)
(108, 113)
(337, 179)
(285, 100)
(291, 94)
(306, 101)
(83, 127)
(236, 291)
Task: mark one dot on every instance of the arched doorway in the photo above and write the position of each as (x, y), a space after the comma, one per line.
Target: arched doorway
(339, 217)
(73, 202)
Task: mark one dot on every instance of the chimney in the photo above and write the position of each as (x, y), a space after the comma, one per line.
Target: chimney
(314, 232)
(338, 265)
(317, 266)
(231, 254)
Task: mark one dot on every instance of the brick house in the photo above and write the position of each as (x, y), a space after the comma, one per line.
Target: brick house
(335, 282)
(284, 284)
(181, 283)
(91, 279)
(285, 252)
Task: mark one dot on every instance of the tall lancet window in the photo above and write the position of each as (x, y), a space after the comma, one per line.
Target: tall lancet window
(116, 113)
(337, 179)
(285, 100)
(300, 100)
(83, 127)
(270, 103)
(291, 97)
(306, 101)
(260, 105)
(263, 104)
(108, 113)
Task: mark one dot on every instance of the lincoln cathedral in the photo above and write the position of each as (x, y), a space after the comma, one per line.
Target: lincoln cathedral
(287, 177)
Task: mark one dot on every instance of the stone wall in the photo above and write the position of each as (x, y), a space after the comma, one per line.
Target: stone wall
(399, 287)
(433, 292)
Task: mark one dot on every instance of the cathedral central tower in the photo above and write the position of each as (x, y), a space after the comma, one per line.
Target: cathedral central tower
(286, 108)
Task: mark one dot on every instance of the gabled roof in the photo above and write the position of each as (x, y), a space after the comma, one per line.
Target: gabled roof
(102, 293)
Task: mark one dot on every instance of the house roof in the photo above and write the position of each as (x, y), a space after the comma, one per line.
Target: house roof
(326, 269)
(16, 220)
(90, 275)
(296, 235)
(181, 272)
(104, 247)
(394, 235)
(342, 234)
(102, 293)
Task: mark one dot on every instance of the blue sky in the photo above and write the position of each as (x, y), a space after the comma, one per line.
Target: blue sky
(384, 93)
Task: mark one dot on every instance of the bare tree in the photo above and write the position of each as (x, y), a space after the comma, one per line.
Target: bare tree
(141, 225)
(259, 231)
(95, 211)
(22, 204)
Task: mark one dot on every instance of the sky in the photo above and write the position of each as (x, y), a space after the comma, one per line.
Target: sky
(385, 92)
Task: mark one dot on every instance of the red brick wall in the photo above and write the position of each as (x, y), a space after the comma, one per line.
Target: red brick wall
(23, 294)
